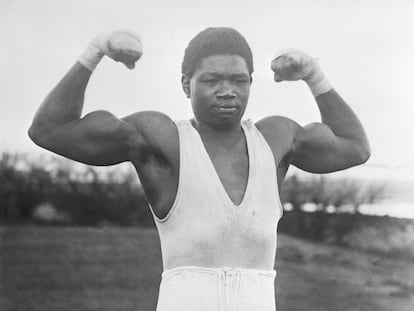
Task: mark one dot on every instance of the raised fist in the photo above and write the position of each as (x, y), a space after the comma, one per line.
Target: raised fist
(121, 45)
(292, 65)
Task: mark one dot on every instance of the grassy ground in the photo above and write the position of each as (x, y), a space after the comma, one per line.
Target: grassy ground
(119, 269)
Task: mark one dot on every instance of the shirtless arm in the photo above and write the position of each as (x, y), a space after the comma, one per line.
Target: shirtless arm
(98, 138)
(336, 143)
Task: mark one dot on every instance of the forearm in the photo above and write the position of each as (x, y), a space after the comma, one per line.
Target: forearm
(65, 102)
(341, 119)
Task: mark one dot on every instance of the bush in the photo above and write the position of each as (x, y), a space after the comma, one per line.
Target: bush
(85, 195)
(343, 196)
(329, 193)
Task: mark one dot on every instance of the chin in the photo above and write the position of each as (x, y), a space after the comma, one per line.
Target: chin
(220, 120)
(227, 121)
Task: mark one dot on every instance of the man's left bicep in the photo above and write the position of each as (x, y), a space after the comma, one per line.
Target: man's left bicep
(317, 149)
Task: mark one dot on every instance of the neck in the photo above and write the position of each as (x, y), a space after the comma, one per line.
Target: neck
(219, 134)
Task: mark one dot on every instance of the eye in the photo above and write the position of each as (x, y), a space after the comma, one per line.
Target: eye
(240, 81)
(210, 81)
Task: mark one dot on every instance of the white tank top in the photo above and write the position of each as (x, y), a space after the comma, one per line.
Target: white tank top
(204, 227)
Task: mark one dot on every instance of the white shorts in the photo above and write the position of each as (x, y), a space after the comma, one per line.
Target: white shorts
(191, 288)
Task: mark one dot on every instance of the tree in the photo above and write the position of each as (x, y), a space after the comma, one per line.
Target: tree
(89, 196)
(329, 195)
(334, 193)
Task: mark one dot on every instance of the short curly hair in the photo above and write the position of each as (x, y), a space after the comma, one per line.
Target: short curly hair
(215, 41)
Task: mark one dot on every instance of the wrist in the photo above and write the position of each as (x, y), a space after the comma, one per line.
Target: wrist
(317, 81)
(94, 52)
(91, 57)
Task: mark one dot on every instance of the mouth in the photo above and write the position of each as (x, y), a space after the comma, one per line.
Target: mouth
(225, 108)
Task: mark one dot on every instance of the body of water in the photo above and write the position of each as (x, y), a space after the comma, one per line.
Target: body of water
(399, 187)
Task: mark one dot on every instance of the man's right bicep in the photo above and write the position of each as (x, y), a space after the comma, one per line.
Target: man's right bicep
(99, 138)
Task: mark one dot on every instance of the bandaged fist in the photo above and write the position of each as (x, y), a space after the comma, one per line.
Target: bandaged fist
(293, 65)
(121, 45)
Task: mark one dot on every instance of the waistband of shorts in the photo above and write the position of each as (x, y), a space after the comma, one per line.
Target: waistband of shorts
(218, 271)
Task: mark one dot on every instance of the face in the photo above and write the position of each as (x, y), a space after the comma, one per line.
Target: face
(219, 90)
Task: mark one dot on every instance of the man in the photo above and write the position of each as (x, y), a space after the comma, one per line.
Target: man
(212, 182)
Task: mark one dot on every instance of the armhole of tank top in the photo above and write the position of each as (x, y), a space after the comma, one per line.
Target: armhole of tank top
(179, 186)
(273, 164)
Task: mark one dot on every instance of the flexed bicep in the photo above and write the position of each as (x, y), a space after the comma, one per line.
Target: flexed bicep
(317, 149)
(99, 138)
(339, 141)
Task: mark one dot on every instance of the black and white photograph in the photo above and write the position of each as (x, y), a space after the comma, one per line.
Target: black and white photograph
(213, 155)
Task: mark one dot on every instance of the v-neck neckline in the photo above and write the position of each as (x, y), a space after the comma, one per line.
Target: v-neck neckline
(213, 171)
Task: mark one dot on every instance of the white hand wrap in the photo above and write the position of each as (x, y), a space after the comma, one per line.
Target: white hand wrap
(120, 45)
(292, 65)
(317, 81)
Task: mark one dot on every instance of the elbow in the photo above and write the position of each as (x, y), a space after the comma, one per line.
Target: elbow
(37, 134)
(33, 134)
(364, 153)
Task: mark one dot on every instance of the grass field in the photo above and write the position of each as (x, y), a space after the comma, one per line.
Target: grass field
(62, 268)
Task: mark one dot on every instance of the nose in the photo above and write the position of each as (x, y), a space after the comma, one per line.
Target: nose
(225, 90)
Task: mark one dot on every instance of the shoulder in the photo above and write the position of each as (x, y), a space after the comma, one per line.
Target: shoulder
(278, 129)
(280, 133)
(153, 132)
(143, 120)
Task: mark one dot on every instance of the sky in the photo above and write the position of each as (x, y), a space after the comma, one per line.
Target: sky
(365, 48)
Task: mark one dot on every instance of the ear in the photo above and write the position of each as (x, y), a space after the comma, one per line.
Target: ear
(251, 79)
(185, 82)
